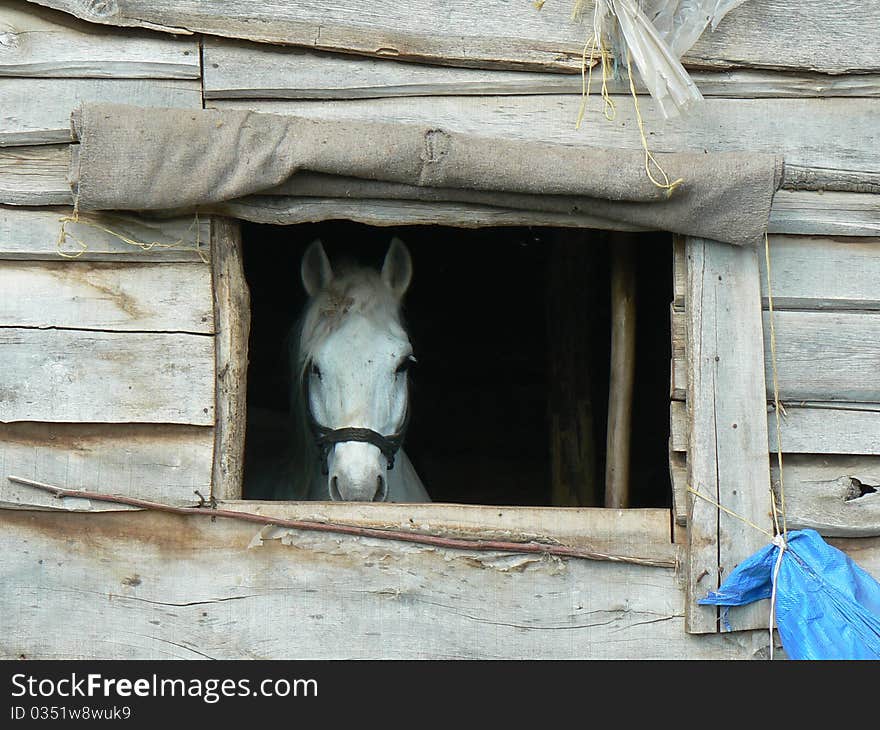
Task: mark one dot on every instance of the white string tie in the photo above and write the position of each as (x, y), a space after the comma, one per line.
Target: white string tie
(778, 541)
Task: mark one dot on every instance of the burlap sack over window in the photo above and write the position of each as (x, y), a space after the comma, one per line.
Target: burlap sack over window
(131, 158)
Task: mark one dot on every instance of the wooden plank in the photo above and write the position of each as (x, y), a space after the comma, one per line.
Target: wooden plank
(823, 273)
(727, 458)
(820, 355)
(828, 430)
(232, 314)
(165, 463)
(39, 42)
(32, 234)
(678, 477)
(678, 365)
(810, 213)
(799, 129)
(107, 296)
(678, 426)
(37, 111)
(624, 312)
(35, 175)
(280, 210)
(242, 70)
(817, 428)
(813, 272)
(763, 34)
(829, 214)
(106, 377)
(335, 591)
(826, 355)
(837, 496)
(642, 533)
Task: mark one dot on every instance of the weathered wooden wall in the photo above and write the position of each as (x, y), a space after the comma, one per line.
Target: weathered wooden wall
(162, 586)
(135, 410)
(108, 347)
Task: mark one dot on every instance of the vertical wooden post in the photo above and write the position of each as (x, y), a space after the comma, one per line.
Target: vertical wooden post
(232, 318)
(570, 340)
(623, 367)
(728, 457)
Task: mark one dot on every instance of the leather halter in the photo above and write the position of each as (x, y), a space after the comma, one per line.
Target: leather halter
(326, 438)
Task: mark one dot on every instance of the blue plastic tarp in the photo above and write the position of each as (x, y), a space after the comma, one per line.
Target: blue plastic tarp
(827, 607)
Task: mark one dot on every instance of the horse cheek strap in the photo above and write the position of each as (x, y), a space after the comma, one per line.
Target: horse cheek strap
(327, 438)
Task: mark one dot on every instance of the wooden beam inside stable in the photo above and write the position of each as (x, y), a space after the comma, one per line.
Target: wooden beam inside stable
(623, 368)
(570, 338)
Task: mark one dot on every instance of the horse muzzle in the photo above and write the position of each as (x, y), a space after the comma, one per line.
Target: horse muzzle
(357, 473)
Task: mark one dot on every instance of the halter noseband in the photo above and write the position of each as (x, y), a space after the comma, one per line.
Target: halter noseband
(326, 438)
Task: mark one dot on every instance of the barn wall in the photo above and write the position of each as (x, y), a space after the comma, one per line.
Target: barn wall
(108, 347)
(128, 398)
(164, 586)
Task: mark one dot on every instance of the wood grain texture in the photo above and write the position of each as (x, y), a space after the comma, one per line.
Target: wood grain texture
(165, 463)
(838, 496)
(808, 132)
(851, 214)
(820, 355)
(810, 428)
(153, 595)
(107, 296)
(812, 272)
(831, 356)
(37, 111)
(826, 214)
(35, 41)
(762, 34)
(243, 70)
(232, 316)
(828, 428)
(35, 175)
(31, 234)
(727, 436)
(624, 314)
(60, 375)
(640, 533)
(678, 477)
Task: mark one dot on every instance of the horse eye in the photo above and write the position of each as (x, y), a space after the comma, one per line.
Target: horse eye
(316, 371)
(406, 364)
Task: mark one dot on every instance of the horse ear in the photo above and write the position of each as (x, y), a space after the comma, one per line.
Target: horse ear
(397, 268)
(315, 269)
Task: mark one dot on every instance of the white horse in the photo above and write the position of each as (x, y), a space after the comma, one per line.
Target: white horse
(350, 395)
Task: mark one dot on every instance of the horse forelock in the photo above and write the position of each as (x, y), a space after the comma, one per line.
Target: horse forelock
(360, 292)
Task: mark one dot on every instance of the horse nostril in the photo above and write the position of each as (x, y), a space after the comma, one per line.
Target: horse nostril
(334, 489)
(381, 491)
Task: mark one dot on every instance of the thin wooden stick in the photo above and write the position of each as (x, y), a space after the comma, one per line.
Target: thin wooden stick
(453, 543)
(623, 365)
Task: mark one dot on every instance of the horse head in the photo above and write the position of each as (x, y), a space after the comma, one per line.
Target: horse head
(353, 370)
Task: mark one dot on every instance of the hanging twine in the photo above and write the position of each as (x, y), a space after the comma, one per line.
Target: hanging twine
(653, 169)
(179, 245)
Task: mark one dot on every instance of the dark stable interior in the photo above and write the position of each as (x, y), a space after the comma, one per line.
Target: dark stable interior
(478, 316)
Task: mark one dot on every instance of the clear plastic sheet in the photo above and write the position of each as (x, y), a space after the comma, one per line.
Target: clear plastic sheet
(654, 34)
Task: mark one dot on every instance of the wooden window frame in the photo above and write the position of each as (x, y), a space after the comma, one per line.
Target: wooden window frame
(728, 457)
